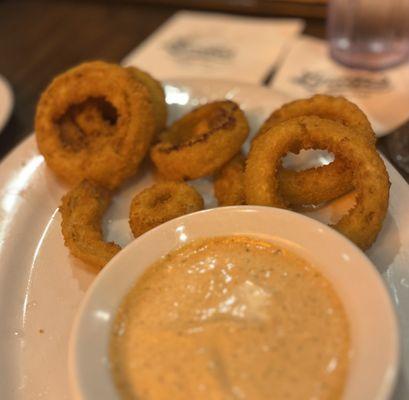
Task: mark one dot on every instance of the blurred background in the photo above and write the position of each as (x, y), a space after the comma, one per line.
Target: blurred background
(39, 39)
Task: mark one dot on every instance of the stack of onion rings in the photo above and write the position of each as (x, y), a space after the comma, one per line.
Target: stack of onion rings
(369, 176)
(160, 203)
(95, 123)
(201, 142)
(82, 209)
(106, 144)
(312, 186)
(322, 184)
(298, 189)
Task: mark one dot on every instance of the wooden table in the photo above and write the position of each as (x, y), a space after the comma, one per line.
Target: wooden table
(39, 39)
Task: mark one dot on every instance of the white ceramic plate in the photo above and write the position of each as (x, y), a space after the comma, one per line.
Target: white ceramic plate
(41, 286)
(372, 363)
(6, 101)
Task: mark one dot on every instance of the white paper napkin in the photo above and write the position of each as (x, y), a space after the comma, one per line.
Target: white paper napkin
(209, 45)
(308, 69)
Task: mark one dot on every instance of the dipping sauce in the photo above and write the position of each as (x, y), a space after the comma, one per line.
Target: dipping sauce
(230, 318)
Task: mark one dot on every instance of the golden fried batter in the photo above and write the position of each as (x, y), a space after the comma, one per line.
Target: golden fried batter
(201, 142)
(318, 185)
(95, 121)
(335, 108)
(82, 209)
(157, 96)
(160, 203)
(315, 186)
(228, 183)
(369, 176)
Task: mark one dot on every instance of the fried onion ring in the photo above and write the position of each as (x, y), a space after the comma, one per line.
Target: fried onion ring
(335, 108)
(82, 209)
(157, 95)
(96, 122)
(369, 176)
(160, 203)
(228, 183)
(201, 142)
(318, 185)
(315, 186)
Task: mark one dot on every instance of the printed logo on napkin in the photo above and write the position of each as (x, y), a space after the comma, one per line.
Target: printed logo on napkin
(208, 45)
(308, 69)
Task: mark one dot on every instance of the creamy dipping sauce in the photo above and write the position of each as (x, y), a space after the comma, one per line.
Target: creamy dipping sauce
(230, 318)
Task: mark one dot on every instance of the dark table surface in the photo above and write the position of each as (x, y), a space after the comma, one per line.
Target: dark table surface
(39, 39)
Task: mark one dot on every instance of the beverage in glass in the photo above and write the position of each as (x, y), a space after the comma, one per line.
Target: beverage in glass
(368, 34)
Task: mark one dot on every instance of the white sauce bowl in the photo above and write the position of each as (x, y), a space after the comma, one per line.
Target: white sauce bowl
(374, 335)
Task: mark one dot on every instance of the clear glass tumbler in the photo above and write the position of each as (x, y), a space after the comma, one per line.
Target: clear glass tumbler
(368, 34)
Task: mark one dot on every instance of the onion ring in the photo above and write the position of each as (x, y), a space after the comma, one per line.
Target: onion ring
(318, 185)
(228, 183)
(157, 95)
(107, 156)
(82, 209)
(315, 186)
(160, 203)
(369, 176)
(201, 142)
(335, 108)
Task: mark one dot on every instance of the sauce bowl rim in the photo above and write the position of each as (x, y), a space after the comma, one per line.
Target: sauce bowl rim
(88, 358)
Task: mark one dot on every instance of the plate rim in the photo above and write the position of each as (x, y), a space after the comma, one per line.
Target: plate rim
(14, 161)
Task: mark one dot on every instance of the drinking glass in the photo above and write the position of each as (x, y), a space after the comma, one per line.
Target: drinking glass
(368, 34)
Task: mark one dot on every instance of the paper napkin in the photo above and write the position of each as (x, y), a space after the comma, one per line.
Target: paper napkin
(308, 69)
(211, 45)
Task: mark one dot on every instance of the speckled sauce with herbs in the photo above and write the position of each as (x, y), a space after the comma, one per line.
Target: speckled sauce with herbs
(230, 318)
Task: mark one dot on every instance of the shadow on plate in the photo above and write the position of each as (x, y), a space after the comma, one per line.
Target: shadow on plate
(387, 246)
